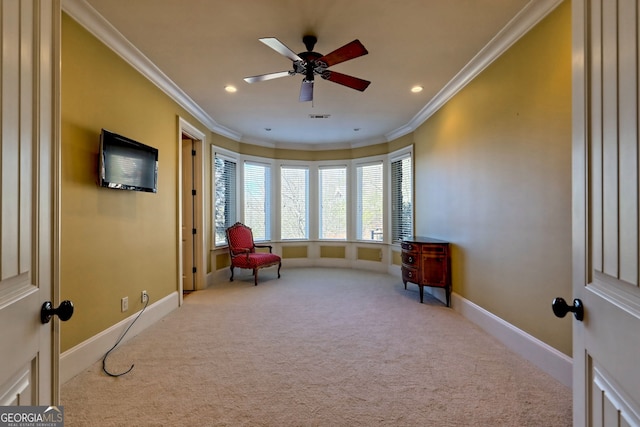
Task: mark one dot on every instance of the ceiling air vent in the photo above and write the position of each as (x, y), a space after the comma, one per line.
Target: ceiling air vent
(319, 116)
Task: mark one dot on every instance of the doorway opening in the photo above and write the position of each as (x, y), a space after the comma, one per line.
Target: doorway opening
(191, 225)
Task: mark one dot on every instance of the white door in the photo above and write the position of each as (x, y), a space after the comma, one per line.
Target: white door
(188, 223)
(606, 344)
(30, 40)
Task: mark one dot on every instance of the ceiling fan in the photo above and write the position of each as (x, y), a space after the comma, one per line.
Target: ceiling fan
(311, 64)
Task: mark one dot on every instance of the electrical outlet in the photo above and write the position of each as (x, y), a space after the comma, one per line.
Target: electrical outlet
(144, 297)
(124, 304)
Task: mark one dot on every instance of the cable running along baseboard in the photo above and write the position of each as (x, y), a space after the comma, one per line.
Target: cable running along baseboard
(104, 359)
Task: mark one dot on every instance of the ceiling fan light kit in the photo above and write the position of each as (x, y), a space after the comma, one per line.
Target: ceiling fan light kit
(310, 64)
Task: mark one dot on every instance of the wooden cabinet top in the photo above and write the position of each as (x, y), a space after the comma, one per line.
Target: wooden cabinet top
(423, 239)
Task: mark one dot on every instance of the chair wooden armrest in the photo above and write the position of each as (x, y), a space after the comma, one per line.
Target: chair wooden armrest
(239, 252)
(264, 246)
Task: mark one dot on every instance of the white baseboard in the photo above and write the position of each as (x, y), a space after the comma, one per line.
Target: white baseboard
(223, 274)
(545, 357)
(85, 354)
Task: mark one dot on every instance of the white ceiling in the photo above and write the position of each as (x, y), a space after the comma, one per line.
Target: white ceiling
(203, 45)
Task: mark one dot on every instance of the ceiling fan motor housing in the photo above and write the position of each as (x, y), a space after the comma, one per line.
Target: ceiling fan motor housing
(309, 65)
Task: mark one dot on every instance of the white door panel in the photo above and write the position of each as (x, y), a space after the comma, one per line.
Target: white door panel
(29, 31)
(606, 212)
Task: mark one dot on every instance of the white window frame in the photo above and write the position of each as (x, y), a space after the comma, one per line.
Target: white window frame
(231, 157)
(347, 196)
(362, 162)
(269, 217)
(398, 155)
(308, 206)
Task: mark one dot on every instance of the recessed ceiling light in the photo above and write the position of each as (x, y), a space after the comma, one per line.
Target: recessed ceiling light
(230, 89)
(416, 89)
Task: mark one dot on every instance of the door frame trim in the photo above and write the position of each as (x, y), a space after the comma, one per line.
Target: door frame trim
(56, 196)
(579, 198)
(199, 138)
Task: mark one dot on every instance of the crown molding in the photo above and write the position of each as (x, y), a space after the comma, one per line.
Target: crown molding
(348, 145)
(314, 147)
(92, 21)
(521, 24)
(368, 141)
(258, 142)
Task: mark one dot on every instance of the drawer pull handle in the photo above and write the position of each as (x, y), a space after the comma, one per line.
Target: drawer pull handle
(411, 259)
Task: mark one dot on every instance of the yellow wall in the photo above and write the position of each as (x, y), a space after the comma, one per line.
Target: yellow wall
(333, 252)
(493, 176)
(369, 254)
(114, 243)
(298, 251)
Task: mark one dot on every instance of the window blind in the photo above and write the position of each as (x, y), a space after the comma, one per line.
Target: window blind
(225, 197)
(401, 199)
(294, 209)
(257, 197)
(333, 202)
(370, 212)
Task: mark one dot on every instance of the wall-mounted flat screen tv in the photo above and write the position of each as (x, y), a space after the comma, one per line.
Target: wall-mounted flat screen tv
(126, 164)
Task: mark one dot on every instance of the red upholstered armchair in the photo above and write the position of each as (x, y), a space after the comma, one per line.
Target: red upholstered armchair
(243, 253)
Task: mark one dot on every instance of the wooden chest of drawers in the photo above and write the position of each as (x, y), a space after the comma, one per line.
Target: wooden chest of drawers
(427, 262)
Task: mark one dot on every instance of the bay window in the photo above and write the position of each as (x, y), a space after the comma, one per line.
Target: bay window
(368, 199)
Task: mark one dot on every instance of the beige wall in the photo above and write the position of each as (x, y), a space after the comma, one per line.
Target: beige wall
(493, 171)
(113, 243)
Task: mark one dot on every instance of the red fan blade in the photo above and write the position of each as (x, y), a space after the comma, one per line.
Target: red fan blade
(344, 53)
(280, 47)
(264, 77)
(306, 91)
(345, 80)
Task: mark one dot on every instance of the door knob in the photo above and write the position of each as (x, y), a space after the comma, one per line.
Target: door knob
(561, 308)
(64, 311)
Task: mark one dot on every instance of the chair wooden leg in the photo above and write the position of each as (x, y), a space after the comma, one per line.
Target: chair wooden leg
(279, 265)
(255, 277)
(231, 279)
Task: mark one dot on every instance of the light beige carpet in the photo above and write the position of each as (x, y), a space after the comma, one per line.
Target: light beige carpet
(318, 347)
